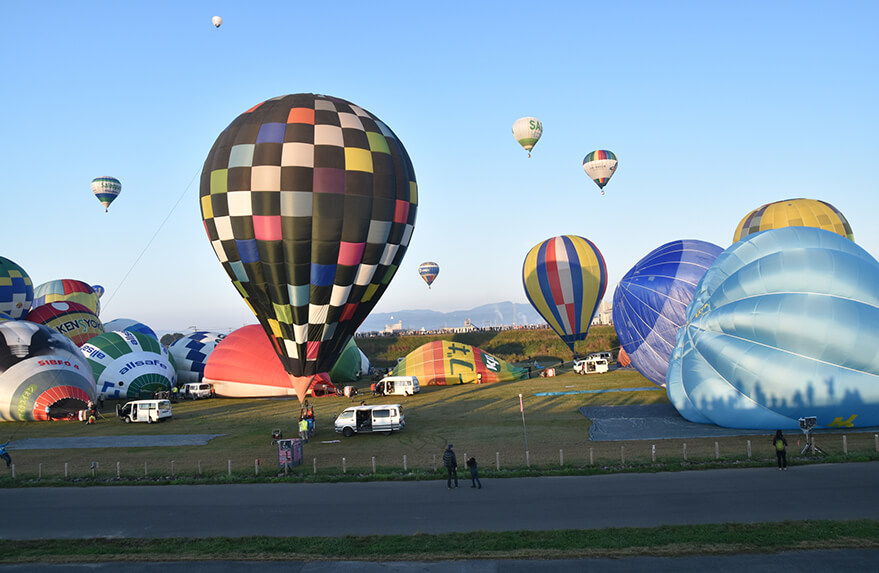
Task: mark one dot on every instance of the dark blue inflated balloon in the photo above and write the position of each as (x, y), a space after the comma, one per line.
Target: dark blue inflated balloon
(650, 302)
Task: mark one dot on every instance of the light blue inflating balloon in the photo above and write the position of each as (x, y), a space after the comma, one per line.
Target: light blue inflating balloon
(784, 325)
(650, 302)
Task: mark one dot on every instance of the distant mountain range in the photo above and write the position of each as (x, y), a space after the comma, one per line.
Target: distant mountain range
(494, 314)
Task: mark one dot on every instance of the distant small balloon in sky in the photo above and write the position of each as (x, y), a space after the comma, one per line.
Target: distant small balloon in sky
(217, 21)
(600, 165)
(527, 131)
(106, 189)
(428, 272)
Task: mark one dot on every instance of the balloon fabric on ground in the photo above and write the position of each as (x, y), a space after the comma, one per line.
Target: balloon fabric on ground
(309, 202)
(784, 325)
(794, 213)
(650, 303)
(351, 365)
(16, 289)
(442, 362)
(73, 320)
(565, 278)
(70, 290)
(244, 365)
(191, 353)
(129, 365)
(40, 368)
(130, 325)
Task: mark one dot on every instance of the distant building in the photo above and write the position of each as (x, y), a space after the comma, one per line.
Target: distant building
(393, 328)
(604, 315)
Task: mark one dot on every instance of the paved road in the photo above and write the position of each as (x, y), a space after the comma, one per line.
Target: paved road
(826, 491)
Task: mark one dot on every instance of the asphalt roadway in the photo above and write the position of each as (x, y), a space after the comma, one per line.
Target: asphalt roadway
(821, 491)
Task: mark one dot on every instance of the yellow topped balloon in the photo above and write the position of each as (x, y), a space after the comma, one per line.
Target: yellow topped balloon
(794, 213)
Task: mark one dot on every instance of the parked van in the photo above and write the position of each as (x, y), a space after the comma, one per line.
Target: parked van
(148, 411)
(196, 390)
(359, 419)
(397, 385)
(591, 366)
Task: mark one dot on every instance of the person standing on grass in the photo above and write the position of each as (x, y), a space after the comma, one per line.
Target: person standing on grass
(4, 454)
(780, 450)
(474, 473)
(451, 463)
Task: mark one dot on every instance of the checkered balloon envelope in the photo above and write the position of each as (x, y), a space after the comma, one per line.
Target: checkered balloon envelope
(309, 202)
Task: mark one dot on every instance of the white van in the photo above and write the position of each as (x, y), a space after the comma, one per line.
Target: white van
(359, 419)
(397, 385)
(591, 366)
(148, 411)
(195, 390)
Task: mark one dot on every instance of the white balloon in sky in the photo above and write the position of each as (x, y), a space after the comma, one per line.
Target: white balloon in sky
(217, 21)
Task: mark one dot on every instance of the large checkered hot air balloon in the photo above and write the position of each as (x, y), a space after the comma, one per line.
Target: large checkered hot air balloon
(309, 202)
(565, 278)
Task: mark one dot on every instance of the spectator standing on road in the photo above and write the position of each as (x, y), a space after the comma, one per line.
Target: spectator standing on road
(5, 455)
(451, 463)
(474, 473)
(780, 450)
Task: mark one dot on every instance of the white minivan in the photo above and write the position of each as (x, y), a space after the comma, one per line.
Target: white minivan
(196, 390)
(359, 419)
(148, 411)
(397, 385)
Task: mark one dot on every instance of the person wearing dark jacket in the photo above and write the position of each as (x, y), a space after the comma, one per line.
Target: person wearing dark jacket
(474, 473)
(780, 450)
(451, 463)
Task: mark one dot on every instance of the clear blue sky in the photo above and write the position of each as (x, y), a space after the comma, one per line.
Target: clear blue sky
(713, 109)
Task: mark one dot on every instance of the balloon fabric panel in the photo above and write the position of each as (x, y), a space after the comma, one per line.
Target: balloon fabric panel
(650, 302)
(782, 326)
(16, 289)
(443, 362)
(794, 213)
(310, 203)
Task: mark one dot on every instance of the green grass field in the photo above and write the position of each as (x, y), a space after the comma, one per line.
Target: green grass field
(482, 421)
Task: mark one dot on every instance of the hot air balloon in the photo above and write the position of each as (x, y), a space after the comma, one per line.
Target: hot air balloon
(130, 325)
(99, 290)
(217, 21)
(794, 213)
(71, 319)
(106, 189)
(16, 289)
(309, 202)
(428, 272)
(245, 365)
(565, 278)
(129, 365)
(600, 165)
(650, 302)
(527, 131)
(191, 353)
(70, 290)
(784, 325)
(443, 362)
(40, 368)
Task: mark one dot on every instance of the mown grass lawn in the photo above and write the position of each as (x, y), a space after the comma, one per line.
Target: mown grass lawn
(482, 421)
